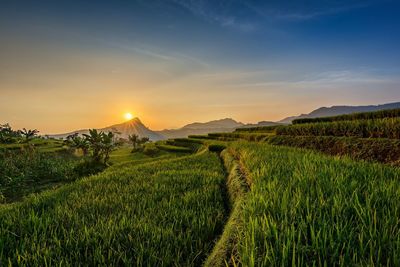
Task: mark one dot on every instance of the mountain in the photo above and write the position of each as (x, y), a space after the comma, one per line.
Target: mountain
(340, 110)
(200, 128)
(134, 126)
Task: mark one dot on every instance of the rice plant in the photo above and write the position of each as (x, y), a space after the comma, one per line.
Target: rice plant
(162, 213)
(388, 113)
(380, 128)
(307, 209)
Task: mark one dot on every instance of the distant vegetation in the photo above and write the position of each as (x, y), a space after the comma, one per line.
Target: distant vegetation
(261, 129)
(379, 128)
(391, 113)
(29, 163)
(10, 136)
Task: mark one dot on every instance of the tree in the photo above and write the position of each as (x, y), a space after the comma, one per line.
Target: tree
(143, 141)
(95, 139)
(101, 144)
(134, 140)
(137, 142)
(28, 134)
(77, 142)
(7, 134)
(108, 145)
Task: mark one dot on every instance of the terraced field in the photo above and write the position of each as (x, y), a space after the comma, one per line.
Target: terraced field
(308, 209)
(166, 212)
(262, 197)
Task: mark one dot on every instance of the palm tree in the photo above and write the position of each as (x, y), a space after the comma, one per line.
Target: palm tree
(108, 145)
(28, 134)
(95, 139)
(77, 142)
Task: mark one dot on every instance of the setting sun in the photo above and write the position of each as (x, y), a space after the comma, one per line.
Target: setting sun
(128, 116)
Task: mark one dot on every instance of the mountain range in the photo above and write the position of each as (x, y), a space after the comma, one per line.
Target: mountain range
(135, 126)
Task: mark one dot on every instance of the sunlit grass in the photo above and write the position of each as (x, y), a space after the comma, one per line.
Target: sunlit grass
(157, 214)
(308, 209)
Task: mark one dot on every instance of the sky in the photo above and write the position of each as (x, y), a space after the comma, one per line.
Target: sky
(67, 65)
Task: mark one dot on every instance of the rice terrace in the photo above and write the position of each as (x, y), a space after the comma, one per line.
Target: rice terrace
(317, 189)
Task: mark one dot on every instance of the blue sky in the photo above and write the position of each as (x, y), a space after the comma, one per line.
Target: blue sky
(175, 61)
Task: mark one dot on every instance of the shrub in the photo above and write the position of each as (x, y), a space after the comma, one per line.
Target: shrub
(89, 167)
(25, 171)
(151, 151)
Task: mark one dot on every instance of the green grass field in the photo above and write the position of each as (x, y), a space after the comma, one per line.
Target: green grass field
(309, 194)
(308, 209)
(160, 213)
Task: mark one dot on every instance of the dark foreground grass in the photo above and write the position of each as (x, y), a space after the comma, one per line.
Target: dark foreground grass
(372, 149)
(164, 213)
(225, 250)
(307, 209)
(27, 171)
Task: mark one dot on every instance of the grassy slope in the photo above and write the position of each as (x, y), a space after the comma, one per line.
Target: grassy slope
(163, 213)
(305, 208)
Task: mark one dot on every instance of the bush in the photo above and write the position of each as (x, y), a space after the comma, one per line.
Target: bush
(151, 151)
(25, 171)
(89, 167)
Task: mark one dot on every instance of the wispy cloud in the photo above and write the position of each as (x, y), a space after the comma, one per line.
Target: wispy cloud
(244, 15)
(218, 12)
(303, 11)
(323, 79)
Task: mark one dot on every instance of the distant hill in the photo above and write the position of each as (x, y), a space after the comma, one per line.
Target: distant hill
(199, 128)
(134, 126)
(340, 110)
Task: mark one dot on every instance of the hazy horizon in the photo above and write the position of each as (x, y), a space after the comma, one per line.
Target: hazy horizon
(71, 65)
